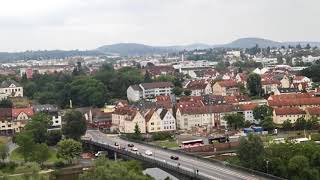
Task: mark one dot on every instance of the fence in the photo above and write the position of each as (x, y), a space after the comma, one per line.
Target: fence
(251, 171)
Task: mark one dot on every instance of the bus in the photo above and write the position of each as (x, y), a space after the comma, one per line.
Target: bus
(192, 143)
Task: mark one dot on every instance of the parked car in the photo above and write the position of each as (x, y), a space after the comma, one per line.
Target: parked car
(148, 153)
(130, 145)
(101, 153)
(174, 157)
(134, 149)
(116, 144)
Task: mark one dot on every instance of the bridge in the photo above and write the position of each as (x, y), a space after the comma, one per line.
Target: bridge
(187, 165)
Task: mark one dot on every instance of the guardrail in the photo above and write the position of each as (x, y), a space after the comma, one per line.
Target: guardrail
(251, 171)
(158, 163)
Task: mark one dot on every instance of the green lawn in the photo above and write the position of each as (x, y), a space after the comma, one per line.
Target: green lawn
(4, 139)
(16, 156)
(168, 144)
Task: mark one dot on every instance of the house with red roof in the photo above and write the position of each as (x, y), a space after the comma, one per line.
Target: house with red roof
(225, 88)
(199, 87)
(247, 111)
(125, 119)
(270, 86)
(312, 112)
(287, 113)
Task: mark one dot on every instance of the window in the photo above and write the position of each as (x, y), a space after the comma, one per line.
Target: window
(152, 123)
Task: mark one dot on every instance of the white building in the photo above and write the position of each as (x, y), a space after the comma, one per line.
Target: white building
(11, 88)
(168, 122)
(149, 90)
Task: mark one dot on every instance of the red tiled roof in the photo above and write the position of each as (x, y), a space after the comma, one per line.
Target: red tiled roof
(303, 84)
(298, 78)
(231, 99)
(149, 115)
(220, 108)
(247, 107)
(190, 99)
(125, 111)
(157, 85)
(190, 104)
(17, 111)
(197, 84)
(163, 98)
(289, 111)
(313, 110)
(193, 110)
(295, 102)
(270, 81)
(228, 83)
(291, 96)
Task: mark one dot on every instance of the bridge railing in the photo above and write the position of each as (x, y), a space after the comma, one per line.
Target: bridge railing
(222, 163)
(151, 160)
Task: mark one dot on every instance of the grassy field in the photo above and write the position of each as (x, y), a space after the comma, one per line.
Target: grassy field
(168, 144)
(4, 139)
(16, 156)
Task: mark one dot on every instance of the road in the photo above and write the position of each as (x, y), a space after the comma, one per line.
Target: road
(211, 170)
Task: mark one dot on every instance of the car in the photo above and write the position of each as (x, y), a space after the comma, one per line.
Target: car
(101, 153)
(130, 145)
(174, 157)
(148, 153)
(116, 144)
(134, 149)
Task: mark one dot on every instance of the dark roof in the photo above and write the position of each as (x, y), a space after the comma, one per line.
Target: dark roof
(163, 113)
(45, 108)
(288, 90)
(7, 83)
(5, 113)
(156, 85)
(136, 87)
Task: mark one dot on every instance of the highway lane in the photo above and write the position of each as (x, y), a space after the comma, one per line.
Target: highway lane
(211, 170)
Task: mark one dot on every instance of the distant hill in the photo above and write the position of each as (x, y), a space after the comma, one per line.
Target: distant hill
(134, 49)
(251, 42)
(38, 55)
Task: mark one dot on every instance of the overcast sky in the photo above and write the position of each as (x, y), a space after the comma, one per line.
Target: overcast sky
(87, 24)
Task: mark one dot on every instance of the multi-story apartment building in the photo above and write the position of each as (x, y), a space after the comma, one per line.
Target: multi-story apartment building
(149, 90)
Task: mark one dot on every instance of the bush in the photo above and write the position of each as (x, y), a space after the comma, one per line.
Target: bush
(160, 136)
(60, 164)
(315, 137)
(8, 167)
(54, 137)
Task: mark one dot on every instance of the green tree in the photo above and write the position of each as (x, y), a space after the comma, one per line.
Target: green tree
(251, 151)
(75, 125)
(261, 112)
(177, 91)
(187, 92)
(235, 120)
(54, 137)
(26, 143)
(287, 125)
(86, 91)
(312, 123)
(38, 127)
(40, 153)
(267, 123)
(4, 151)
(137, 132)
(298, 166)
(69, 149)
(147, 77)
(254, 84)
(6, 103)
(109, 170)
(300, 123)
